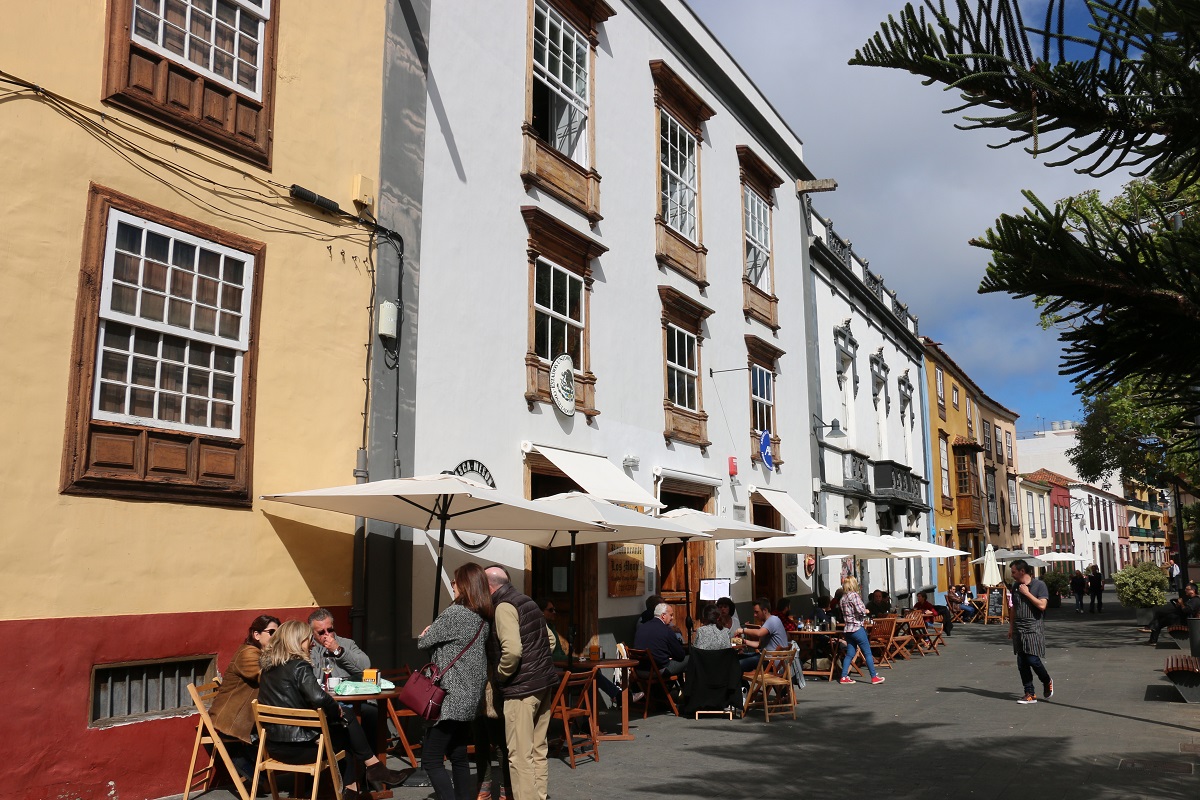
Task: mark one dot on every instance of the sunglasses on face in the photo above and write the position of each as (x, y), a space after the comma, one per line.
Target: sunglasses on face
(322, 632)
(269, 631)
(551, 610)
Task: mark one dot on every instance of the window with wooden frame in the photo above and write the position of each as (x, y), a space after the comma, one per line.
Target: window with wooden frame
(162, 386)
(1008, 446)
(559, 142)
(763, 358)
(683, 402)
(954, 395)
(205, 68)
(944, 459)
(939, 377)
(1014, 505)
(970, 418)
(987, 439)
(999, 445)
(681, 116)
(759, 183)
(560, 291)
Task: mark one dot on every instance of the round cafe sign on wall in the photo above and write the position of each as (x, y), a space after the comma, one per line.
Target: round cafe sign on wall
(475, 470)
(562, 384)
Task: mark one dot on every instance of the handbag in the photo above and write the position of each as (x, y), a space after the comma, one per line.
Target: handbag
(422, 693)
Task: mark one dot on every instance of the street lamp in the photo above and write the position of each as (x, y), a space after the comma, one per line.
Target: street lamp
(835, 429)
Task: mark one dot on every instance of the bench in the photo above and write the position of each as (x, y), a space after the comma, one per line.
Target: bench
(1178, 631)
(1184, 673)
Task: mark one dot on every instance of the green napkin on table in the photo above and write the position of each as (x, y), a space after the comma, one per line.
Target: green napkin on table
(356, 687)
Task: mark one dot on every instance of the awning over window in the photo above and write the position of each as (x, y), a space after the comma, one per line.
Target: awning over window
(789, 508)
(597, 475)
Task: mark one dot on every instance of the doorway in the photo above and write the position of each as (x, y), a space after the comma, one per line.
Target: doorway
(548, 571)
(767, 568)
(682, 566)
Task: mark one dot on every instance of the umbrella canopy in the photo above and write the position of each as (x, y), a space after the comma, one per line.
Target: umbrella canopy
(720, 528)
(909, 547)
(418, 501)
(991, 571)
(1003, 556)
(1061, 557)
(825, 540)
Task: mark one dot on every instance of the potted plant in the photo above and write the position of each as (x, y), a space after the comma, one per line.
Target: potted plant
(1141, 586)
(1058, 584)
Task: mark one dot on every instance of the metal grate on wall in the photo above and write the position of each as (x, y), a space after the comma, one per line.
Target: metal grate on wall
(146, 689)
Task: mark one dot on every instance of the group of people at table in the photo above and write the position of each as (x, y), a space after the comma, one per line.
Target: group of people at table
(499, 691)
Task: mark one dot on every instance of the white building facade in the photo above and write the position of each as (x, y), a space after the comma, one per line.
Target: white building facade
(873, 477)
(631, 203)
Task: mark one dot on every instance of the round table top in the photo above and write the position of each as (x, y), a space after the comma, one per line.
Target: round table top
(358, 698)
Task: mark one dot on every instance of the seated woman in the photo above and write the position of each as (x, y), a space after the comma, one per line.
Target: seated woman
(230, 710)
(879, 604)
(287, 681)
(710, 635)
(783, 610)
(924, 606)
(729, 618)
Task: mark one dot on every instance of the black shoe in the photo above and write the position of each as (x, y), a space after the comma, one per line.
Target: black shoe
(380, 773)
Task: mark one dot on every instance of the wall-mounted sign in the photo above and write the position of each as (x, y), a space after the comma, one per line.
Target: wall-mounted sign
(562, 384)
(476, 471)
(764, 450)
(626, 570)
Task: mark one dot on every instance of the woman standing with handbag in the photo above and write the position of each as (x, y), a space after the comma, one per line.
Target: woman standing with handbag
(457, 639)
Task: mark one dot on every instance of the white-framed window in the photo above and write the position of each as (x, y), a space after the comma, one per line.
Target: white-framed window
(1029, 512)
(1014, 503)
(954, 395)
(940, 378)
(987, 436)
(1042, 513)
(221, 40)
(1008, 450)
(560, 83)
(174, 329)
(944, 453)
(762, 398)
(558, 312)
(678, 176)
(993, 501)
(757, 219)
(681, 368)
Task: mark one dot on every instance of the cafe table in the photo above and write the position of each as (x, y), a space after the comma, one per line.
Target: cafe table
(356, 701)
(811, 639)
(607, 663)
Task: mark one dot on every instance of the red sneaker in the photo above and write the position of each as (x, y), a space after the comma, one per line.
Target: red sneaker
(878, 679)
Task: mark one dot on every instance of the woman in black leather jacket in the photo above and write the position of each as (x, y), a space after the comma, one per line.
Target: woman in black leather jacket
(288, 681)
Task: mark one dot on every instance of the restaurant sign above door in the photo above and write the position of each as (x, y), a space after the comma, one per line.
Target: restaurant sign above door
(475, 470)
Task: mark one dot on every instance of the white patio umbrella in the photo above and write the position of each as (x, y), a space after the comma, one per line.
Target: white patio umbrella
(824, 540)
(619, 524)
(418, 501)
(991, 571)
(909, 547)
(1055, 557)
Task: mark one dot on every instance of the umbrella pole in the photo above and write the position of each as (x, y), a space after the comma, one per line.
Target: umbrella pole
(443, 516)
(687, 591)
(573, 628)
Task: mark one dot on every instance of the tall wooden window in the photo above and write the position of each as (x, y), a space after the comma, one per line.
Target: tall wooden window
(762, 360)
(944, 457)
(681, 116)
(558, 134)
(683, 404)
(204, 68)
(759, 183)
(560, 290)
(164, 352)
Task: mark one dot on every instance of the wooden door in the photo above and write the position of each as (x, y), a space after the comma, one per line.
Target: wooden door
(683, 566)
(766, 569)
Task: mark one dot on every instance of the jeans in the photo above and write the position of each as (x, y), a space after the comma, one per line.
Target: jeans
(448, 739)
(858, 639)
(305, 752)
(1079, 602)
(1027, 665)
(1097, 602)
(489, 732)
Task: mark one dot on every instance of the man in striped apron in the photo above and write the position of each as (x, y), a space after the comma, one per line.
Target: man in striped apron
(1025, 627)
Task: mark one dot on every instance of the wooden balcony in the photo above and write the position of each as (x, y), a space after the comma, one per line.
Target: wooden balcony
(970, 512)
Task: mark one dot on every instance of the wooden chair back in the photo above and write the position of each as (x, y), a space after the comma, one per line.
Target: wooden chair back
(200, 779)
(879, 637)
(302, 718)
(649, 678)
(575, 699)
(924, 638)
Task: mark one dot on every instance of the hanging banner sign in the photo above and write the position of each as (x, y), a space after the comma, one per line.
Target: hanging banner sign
(626, 570)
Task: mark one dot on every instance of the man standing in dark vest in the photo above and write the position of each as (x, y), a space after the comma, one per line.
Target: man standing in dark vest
(1027, 631)
(527, 679)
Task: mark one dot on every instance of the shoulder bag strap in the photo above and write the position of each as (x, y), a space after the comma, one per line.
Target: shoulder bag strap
(460, 652)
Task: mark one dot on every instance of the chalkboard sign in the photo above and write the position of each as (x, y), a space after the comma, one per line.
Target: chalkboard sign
(995, 603)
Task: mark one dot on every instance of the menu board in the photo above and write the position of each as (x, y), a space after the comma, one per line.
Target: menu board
(995, 602)
(626, 570)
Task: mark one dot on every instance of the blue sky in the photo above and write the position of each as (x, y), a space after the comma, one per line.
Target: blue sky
(912, 189)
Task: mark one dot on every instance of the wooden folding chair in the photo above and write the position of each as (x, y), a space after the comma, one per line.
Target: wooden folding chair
(200, 779)
(879, 637)
(901, 643)
(772, 676)
(579, 686)
(923, 638)
(325, 758)
(649, 678)
(399, 713)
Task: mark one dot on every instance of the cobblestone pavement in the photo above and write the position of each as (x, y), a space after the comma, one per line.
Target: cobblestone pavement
(941, 727)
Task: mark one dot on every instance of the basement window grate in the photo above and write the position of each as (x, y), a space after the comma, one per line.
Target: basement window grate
(143, 690)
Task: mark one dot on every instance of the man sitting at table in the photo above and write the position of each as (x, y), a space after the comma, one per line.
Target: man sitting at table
(770, 635)
(879, 604)
(346, 661)
(658, 639)
(956, 599)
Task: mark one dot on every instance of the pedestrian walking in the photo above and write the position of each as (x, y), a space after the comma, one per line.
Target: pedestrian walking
(1027, 630)
(1096, 591)
(854, 612)
(1078, 588)
(1173, 574)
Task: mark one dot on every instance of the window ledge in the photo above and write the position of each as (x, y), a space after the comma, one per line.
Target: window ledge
(537, 386)
(551, 171)
(675, 251)
(684, 425)
(757, 304)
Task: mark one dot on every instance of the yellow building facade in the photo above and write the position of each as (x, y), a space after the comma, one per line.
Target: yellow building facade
(182, 337)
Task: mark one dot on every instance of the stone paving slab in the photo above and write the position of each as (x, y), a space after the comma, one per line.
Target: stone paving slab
(941, 727)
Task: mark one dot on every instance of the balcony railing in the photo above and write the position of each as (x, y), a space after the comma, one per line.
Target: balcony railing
(854, 472)
(896, 482)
